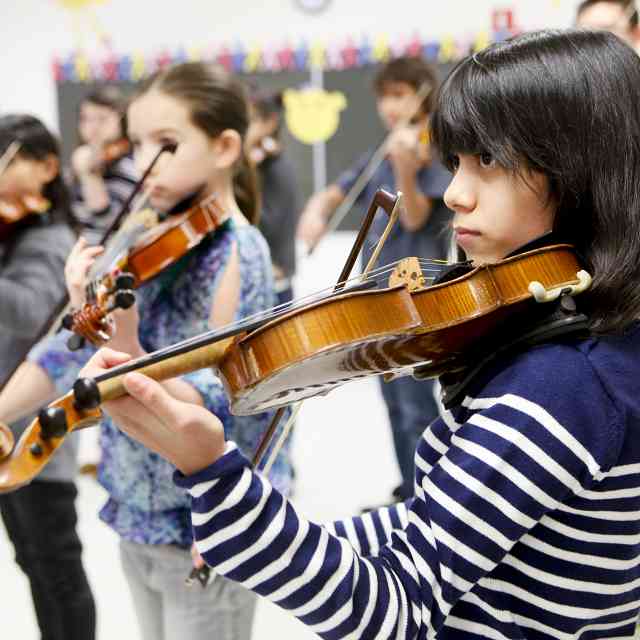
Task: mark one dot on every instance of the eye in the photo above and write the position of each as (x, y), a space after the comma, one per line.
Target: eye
(487, 160)
(453, 162)
(168, 142)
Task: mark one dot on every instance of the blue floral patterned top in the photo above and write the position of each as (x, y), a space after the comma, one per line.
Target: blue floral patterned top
(144, 505)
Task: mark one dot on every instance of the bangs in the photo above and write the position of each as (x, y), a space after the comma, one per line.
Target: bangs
(470, 117)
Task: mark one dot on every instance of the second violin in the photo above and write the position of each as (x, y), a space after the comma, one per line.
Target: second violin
(138, 255)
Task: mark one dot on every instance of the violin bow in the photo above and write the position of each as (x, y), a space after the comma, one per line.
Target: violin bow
(52, 322)
(8, 155)
(372, 166)
(392, 205)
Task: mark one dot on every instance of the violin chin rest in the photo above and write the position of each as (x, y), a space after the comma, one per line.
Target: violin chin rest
(6, 441)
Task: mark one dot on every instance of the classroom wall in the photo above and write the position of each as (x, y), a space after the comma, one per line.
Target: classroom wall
(33, 31)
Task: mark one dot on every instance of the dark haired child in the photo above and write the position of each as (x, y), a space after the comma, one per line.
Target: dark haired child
(40, 518)
(102, 178)
(404, 89)
(280, 194)
(525, 520)
(618, 16)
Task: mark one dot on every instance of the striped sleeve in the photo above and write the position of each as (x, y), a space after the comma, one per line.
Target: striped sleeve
(507, 469)
(372, 530)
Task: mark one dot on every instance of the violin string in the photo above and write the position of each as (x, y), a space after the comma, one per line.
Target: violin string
(256, 320)
(232, 328)
(119, 242)
(375, 277)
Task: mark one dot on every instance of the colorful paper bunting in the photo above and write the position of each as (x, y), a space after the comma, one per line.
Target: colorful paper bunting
(348, 54)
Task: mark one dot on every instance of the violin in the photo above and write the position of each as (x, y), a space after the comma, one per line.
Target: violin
(115, 150)
(16, 208)
(146, 248)
(109, 152)
(307, 350)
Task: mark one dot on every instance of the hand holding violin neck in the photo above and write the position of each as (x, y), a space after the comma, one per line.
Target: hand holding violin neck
(91, 392)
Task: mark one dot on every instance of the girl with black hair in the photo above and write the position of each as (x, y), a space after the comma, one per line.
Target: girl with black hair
(40, 518)
(525, 519)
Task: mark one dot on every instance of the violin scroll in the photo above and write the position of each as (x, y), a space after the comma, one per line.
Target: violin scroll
(42, 438)
(94, 322)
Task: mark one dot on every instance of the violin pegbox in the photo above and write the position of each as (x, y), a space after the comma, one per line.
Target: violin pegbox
(94, 322)
(408, 273)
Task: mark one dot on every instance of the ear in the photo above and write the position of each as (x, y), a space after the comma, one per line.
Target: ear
(49, 168)
(227, 148)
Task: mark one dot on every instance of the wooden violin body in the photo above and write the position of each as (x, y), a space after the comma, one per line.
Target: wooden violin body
(115, 150)
(317, 347)
(13, 210)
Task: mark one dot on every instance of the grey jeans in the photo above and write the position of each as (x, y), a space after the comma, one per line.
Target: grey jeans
(169, 610)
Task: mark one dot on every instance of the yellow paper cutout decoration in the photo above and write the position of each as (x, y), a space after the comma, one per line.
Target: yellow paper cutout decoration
(313, 115)
(482, 41)
(83, 68)
(85, 21)
(380, 51)
(317, 56)
(194, 54)
(138, 66)
(252, 59)
(77, 5)
(447, 49)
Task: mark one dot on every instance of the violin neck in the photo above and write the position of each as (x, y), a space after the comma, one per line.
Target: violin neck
(202, 357)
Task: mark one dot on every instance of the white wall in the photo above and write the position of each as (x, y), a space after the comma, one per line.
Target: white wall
(32, 31)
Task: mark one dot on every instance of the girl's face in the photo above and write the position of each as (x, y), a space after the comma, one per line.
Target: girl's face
(98, 124)
(496, 211)
(200, 164)
(27, 176)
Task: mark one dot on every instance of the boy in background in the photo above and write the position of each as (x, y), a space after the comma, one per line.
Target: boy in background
(404, 90)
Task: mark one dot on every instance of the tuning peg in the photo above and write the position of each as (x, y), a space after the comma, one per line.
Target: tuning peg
(67, 321)
(53, 422)
(125, 281)
(76, 342)
(123, 300)
(86, 394)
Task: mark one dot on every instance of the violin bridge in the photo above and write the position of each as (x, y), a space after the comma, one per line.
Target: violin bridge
(145, 218)
(408, 273)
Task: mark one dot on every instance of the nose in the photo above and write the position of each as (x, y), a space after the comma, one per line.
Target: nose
(460, 195)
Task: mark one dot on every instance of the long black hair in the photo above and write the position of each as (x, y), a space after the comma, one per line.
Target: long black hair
(37, 143)
(566, 104)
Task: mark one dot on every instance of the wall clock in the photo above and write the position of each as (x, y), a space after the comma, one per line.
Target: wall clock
(312, 6)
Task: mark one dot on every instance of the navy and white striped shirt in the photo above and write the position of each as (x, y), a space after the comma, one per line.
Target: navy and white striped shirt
(525, 522)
